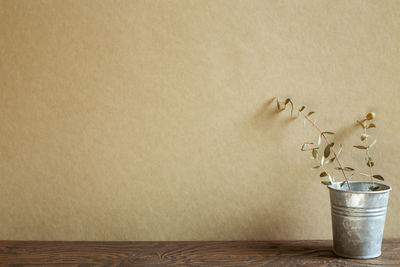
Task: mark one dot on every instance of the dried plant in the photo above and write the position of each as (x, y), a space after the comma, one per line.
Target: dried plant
(329, 153)
(366, 124)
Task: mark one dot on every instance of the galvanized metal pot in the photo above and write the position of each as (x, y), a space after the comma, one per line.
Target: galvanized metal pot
(358, 219)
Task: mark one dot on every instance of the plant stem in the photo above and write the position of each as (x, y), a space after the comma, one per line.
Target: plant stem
(327, 142)
(367, 153)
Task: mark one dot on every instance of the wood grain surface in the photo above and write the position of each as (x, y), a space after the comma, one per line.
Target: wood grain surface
(205, 253)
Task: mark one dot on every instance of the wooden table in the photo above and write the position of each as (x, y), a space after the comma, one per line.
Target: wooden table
(213, 253)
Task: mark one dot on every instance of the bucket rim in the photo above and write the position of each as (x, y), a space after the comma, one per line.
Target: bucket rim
(388, 188)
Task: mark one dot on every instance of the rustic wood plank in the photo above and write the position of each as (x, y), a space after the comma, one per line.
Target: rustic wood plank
(204, 253)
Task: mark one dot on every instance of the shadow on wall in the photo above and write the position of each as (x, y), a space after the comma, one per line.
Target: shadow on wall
(346, 131)
(265, 120)
(273, 222)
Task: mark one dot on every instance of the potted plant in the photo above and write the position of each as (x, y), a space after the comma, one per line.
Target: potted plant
(358, 208)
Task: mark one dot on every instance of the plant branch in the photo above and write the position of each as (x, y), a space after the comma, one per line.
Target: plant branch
(367, 154)
(327, 142)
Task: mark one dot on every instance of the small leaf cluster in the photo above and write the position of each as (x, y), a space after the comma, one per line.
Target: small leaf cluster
(366, 124)
(327, 154)
(321, 155)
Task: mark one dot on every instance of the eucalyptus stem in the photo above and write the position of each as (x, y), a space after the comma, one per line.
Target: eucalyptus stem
(328, 143)
(367, 153)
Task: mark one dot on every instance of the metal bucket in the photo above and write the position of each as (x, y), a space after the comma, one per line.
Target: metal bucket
(358, 219)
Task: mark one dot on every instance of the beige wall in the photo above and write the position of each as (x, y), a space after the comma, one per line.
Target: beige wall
(151, 120)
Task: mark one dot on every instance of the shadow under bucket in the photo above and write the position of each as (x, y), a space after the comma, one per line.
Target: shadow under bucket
(358, 219)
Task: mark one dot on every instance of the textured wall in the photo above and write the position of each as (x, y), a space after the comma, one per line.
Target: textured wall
(152, 120)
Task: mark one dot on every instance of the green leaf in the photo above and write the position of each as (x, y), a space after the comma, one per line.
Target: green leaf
(323, 174)
(319, 140)
(303, 147)
(374, 188)
(316, 167)
(288, 101)
(348, 169)
(330, 178)
(302, 108)
(310, 113)
(368, 157)
(371, 125)
(330, 160)
(379, 177)
(338, 168)
(327, 150)
(328, 133)
(363, 137)
(315, 153)
(360, 147)
(326, 182)
(342, 183)
(372, 144)
(370, 163)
